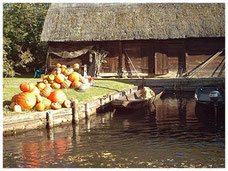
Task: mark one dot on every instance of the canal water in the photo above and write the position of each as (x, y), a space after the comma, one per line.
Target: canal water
(175, 133)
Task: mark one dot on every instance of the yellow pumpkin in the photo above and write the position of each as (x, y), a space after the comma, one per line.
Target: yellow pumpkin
(46, 102)
(55, 85)
(68, 71)
(51, 77)
(58, 65)
(45, 77)
(39, 98)
(45, 81)
(36, 91)
(76, 66)
(58, 71)
(63, 66)
(41, 86)
(74, 76)
(40, 106)
(59, 78)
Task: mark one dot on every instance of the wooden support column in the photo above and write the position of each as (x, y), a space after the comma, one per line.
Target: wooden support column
(120, 70)
(50, 119)
(75, 117)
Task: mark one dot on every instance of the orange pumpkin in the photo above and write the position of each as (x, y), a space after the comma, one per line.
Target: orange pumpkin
(74, 76)
(46, 102)
(59, 78)
(58, 65)
(56, 106)
(76, 84)
(40, 107)
(57, 96)
(26, 100)
(27, 87)
(41, 86)
(67, 103)
(46, 91)
(66, 84)
(14, 98)
(55, 85)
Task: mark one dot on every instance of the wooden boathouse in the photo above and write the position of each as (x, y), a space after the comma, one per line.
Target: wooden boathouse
(141, 39)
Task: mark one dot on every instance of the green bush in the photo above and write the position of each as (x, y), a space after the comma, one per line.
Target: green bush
(22, 26)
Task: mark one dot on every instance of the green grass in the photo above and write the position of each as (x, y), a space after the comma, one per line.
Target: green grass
(101, 88)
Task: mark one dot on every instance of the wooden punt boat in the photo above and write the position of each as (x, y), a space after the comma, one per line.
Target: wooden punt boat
(134, 101)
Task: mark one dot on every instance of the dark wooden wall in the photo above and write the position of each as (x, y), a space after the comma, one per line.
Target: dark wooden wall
(149, 57)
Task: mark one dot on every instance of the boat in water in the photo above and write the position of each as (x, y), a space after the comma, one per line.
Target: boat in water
(135, 100)
(210, 105)
(207, 95)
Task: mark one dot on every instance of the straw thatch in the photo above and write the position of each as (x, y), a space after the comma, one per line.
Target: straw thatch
(97, 22)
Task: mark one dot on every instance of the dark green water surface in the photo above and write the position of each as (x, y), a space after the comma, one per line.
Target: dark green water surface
(173, 135)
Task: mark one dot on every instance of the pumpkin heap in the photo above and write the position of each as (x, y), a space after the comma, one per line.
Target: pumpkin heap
(63, 77)
(46, 94)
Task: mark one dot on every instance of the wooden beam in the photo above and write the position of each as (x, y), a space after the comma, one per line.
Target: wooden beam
(202, 65)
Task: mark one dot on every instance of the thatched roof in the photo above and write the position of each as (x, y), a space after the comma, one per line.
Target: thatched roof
(96, 22)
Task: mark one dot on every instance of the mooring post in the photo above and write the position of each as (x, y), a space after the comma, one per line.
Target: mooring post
(102, 103)
(87, 110)
(75, 118)
(110, 98)
(50, 119)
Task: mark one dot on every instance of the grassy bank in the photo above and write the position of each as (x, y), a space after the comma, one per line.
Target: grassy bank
(101, 88)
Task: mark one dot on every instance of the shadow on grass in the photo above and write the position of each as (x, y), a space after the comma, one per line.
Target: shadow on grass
(27, 75)
(6, 102)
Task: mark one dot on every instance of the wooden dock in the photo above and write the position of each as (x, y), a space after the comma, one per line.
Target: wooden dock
(51, 118)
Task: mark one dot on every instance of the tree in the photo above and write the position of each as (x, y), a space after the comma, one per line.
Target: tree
(22, 27)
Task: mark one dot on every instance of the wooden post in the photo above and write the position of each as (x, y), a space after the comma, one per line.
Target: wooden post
(101, 103)
(110, 98)
(85, 71)
(75, 118)
(50, 134)
(120, 72)
(50, 120)
(87, 110)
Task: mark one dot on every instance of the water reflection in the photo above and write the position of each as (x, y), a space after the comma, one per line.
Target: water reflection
(37, 154)
(167, 135)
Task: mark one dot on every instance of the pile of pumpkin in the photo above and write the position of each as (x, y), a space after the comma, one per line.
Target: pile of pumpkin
(63, 77)
(46, 94)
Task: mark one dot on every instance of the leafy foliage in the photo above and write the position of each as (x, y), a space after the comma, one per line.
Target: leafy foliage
(22, 27)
